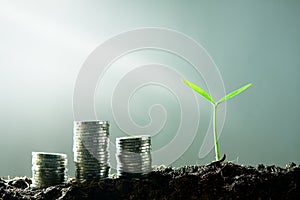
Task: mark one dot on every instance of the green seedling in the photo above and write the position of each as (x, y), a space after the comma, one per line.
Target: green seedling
(215, 105)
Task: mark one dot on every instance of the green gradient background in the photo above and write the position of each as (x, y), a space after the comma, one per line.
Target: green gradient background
(43, 45)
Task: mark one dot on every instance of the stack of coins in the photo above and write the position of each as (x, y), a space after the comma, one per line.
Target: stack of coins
(90, 147)
(48, 169)
(133, 156)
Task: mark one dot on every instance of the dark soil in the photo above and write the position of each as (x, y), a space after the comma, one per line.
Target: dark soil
(218, 180)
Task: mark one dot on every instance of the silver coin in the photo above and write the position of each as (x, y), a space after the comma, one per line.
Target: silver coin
(138, 145)
(93, 165)
(96, 126)
(89, 136)
(91, 171)
(133, 159)
(132, 156)
(95, 129)
(141, 148)
(91, 122)
(92, 152)
(95, 154)
(88, 132)
(139, 137)
(133, 145)
(91, 160)
(88, 161)
(96, 172)
(50, 163)
(90, 145)
(90, 148)
(91, 127)
(134, 163)
(84, 132)
(87, 145)
(129, 153)
(100, 137)
(132, 141)
(91, 133)
(84, 142)
(46, 154)
(132, 152)
(124, 162)
(98, 166)
(48, 171)
(130, 163)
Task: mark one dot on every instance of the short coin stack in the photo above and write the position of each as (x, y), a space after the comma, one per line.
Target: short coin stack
(48, 169)
(90, 147)
(133, 156)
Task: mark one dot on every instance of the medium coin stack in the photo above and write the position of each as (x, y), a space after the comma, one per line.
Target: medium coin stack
(90, 147)
(133, 156)
(48, 169)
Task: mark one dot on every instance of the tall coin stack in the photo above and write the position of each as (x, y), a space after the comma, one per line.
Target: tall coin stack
(90, 147)
(48, 169)
(133, 156)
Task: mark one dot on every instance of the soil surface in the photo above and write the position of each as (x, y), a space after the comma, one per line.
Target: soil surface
(217, 180)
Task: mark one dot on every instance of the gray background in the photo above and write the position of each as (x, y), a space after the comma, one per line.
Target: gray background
(43, 45)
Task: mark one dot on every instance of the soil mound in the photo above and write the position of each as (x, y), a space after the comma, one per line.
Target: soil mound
(218, 180)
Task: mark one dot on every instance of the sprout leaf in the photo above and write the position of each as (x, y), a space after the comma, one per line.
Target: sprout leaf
(234, 93)
(199, 90)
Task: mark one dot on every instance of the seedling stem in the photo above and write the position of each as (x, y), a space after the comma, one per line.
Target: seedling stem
(215, 105)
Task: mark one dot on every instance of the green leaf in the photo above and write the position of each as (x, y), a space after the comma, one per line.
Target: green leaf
(234, 93)
(198, 90)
